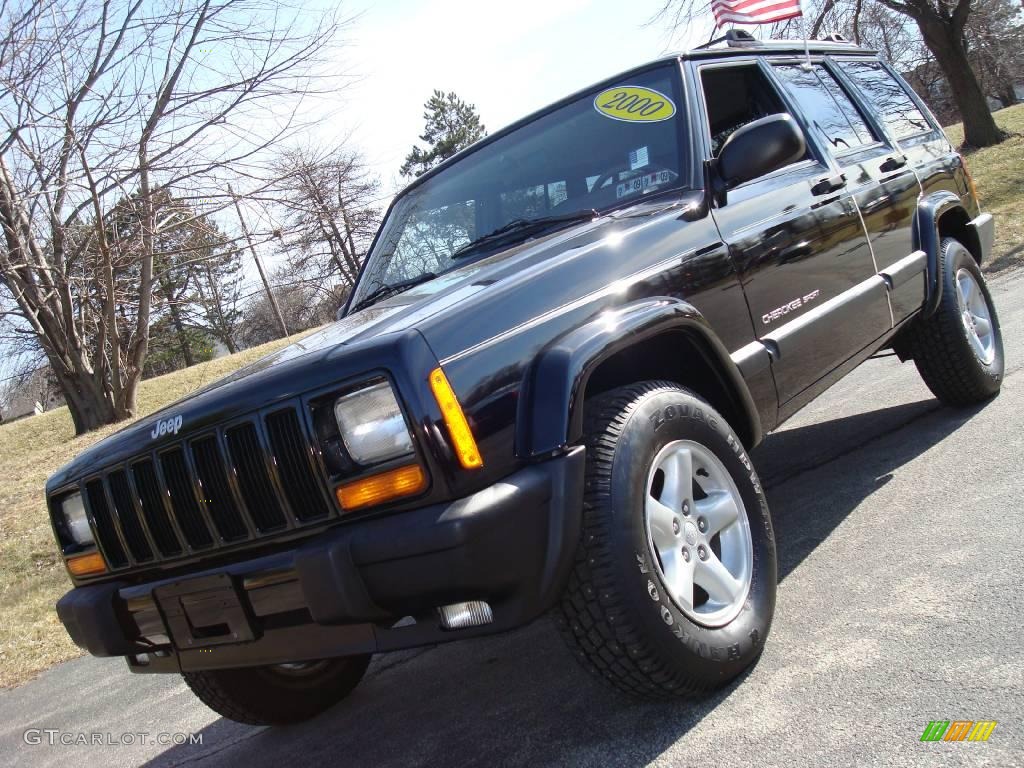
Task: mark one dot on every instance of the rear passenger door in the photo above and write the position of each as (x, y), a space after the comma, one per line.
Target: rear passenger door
(913, 146)
(876, 172)
(795, 234)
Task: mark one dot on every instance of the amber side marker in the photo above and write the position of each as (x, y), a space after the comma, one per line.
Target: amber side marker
(455, 420)
(86, 565)
(376, 489)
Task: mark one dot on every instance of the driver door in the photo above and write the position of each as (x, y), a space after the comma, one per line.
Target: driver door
(796, 239)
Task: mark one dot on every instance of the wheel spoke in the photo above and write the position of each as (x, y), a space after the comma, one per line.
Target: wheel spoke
(719, 509)
(679, 575)
(966, 287)
(660, 518)
(981, 325)
(716, 580)
(678, 486)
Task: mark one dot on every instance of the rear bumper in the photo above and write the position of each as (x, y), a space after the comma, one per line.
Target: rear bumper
(342, 592)
(985, 228)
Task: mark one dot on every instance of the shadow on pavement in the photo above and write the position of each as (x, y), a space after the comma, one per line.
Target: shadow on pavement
(519, 698)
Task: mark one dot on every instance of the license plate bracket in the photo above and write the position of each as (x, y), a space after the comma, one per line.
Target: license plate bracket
(205, 611)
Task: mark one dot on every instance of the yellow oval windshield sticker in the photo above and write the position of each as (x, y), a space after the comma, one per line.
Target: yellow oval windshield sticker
(634, 104)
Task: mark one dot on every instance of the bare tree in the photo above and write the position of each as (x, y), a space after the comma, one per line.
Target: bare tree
(943, 27)
(329, 199)
(105, 100)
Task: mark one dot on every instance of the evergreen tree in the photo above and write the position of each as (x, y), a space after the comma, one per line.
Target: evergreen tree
(451, 125)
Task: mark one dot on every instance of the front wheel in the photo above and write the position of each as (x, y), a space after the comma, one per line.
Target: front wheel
(673, 588)
(278, 694)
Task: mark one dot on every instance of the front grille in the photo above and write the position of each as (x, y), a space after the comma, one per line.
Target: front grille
(242, 482)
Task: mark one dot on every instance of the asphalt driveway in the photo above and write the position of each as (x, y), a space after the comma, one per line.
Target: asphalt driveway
(900, 601)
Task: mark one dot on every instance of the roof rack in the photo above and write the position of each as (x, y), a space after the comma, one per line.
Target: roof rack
(734, 38)
(739, 38)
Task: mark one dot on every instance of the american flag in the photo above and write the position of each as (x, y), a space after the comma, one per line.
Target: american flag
(754, 11)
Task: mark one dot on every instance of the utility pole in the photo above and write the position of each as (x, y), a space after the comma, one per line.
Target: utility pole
(259, 263)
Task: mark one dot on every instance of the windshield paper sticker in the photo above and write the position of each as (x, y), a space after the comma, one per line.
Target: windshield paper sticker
(634, 104)
(642, 183)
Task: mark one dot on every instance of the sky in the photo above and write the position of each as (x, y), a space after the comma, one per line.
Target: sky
(508, 59)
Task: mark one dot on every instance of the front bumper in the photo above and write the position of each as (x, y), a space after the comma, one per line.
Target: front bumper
(343, 592)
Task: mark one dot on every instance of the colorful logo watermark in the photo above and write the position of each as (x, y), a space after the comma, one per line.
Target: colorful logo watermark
(958, 730)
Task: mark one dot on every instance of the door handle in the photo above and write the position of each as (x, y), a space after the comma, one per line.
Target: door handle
(828, 184)
(893, 164)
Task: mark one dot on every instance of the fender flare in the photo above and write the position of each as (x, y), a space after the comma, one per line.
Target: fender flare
(550, 412)
(926, 238)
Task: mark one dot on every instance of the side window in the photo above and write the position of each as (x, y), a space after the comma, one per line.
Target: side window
(735, 96)
(898, 111)
(826, 106)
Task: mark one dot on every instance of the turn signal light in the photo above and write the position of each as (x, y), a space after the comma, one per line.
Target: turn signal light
(86, 565)
(376, 489)
(455, 420)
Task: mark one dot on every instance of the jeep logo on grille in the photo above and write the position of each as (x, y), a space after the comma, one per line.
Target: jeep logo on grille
(166, 427)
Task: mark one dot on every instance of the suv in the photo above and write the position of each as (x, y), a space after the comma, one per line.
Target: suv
(560, 349)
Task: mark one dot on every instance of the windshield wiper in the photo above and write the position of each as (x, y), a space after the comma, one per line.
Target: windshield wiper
(391, 289)
(520, 227)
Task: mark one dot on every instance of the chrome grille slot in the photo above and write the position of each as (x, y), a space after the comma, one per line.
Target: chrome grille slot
(183, 500)
(106, 532)
(131, 527)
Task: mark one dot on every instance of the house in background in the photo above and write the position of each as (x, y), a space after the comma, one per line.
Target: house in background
(35, 395)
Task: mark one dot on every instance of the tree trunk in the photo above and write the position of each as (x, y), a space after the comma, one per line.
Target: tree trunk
(947, 45)
(176, 321)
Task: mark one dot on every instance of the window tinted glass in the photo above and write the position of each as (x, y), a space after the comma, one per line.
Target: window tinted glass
(898, 111)
(585, 155)
(734, 97)
(825, 105)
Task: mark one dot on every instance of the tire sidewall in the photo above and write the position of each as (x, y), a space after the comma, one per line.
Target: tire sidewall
(710, 654)
(957, 257)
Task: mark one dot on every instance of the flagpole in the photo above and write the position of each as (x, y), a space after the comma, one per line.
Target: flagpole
(806, 66)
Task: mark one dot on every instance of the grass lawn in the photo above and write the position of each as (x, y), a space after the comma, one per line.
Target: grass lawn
(31, 574)
(998, 171)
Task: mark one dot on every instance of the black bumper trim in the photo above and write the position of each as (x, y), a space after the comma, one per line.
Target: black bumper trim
(341, 592)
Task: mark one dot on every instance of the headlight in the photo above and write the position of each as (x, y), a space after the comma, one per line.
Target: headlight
(372, 425)
(77, 523)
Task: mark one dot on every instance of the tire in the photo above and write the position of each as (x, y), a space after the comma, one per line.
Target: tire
(618, 613)
(948, 348)
(278, 694)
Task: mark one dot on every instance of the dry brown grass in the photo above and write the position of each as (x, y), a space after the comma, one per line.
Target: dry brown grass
(32, 575)
(997, 171)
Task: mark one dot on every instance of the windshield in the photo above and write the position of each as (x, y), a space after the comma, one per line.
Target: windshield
(605, 149)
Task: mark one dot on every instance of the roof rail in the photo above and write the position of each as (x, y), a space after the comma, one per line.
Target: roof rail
(835, 37)
(734, 38)
(739, 38)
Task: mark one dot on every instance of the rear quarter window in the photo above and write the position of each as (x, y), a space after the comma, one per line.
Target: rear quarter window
(888, 97)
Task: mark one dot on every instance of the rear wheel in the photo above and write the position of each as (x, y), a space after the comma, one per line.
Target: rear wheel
(673, 589)
(959, 350)
(279, 693)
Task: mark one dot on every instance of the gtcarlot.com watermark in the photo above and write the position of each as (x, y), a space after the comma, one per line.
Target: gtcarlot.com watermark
(55, 737)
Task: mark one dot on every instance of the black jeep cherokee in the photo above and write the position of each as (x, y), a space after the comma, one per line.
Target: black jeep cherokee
(561, 346)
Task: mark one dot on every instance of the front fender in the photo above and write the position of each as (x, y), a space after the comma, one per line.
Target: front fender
(550, 414)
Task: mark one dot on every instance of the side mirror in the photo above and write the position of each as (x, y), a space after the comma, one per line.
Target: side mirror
(755, 149)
